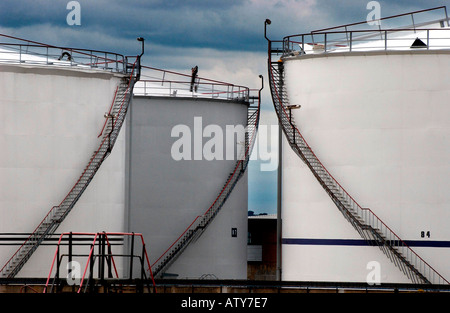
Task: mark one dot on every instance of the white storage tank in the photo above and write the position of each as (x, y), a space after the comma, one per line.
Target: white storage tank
(374, 110)
(184, 142)
(51, 113)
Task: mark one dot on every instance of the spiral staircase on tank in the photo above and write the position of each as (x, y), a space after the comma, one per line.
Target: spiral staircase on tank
(374, 231)
(113, 124)
(201, 222)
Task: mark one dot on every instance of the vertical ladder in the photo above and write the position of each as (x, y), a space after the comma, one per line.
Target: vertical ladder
(58, 213)
(366, 223)
(198, 226)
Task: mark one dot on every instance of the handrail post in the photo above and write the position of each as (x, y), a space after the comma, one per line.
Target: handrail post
(385, 40)
(91, 266)
(351, 41)
(142, 262)
(58, 263)
(109, 260)
(446, 16)
(70, 247)
(131, 255)
(303, 44)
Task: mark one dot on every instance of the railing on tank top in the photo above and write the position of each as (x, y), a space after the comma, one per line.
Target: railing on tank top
(345, 39)
(158, 82)
(16, 50)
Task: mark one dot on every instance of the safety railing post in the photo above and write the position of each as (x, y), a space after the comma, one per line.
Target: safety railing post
(351, 41)
(91, 267)
(446, 16)
(131, 256)
(58, 262)
(70, 247)
(385, 40)
(109, 261)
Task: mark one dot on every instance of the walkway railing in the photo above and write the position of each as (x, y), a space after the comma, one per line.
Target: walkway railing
(14, 50)
(105, 259)
(346, 39)
(158, 82)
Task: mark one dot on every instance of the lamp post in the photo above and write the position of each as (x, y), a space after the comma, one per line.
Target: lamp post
(141, 39)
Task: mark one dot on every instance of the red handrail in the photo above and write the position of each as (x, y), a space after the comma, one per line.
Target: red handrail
(91, 252)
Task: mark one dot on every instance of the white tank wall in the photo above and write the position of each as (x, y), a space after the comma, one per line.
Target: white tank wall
(49, 122)
(379, 123)
(166, 195)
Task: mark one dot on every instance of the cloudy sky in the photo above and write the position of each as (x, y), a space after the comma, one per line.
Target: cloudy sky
(224, 38)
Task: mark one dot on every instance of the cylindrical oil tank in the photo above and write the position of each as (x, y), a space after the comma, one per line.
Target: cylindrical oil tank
(50, 119)
(167, 191)
(378, 120)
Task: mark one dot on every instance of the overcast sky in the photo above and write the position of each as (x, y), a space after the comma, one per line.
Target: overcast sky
(224, 38)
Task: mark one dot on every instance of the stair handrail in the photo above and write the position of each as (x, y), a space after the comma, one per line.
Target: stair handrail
(359, 207)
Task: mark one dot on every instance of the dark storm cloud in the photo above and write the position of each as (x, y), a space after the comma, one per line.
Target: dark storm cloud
(217, 24)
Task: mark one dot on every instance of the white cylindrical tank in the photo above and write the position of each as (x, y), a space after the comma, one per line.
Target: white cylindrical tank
(379, 122)
(50, 117)
(166, 193)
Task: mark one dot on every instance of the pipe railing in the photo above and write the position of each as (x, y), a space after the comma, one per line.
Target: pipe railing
(345, 39)
(158, 82)
(366, 40)
(97, 240)
(22, 51)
